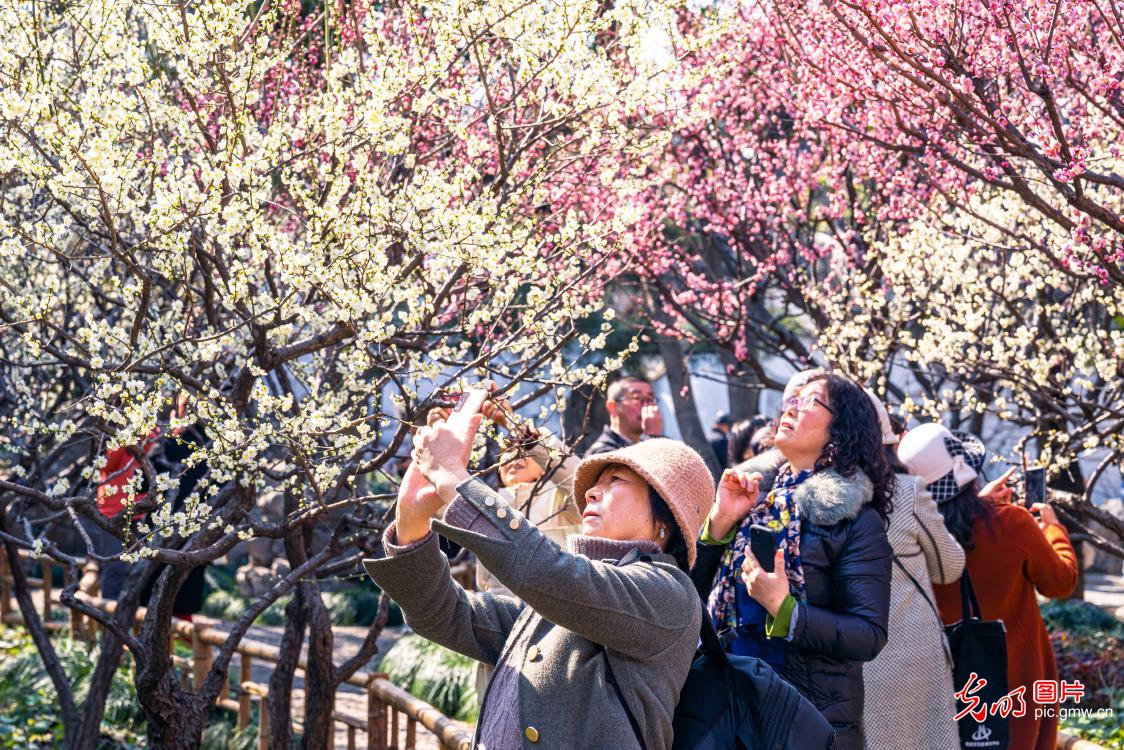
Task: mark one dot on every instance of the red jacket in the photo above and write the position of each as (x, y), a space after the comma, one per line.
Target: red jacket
(1012, 558)
(120, 466)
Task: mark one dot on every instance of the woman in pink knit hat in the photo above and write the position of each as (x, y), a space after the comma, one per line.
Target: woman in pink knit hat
(616, 607)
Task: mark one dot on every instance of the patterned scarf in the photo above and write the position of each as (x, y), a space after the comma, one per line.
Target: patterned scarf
(730, 605)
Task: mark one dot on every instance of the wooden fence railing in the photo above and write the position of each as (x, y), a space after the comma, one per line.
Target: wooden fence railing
(392, 719)
(393, 715)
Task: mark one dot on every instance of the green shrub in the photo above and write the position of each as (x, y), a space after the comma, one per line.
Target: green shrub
(1080, 617)
(222, 733)
(220, 578)
(341, 607)
(440, 677)
(274, 614)
(1089, 645)
(224, 605)
(30, 713)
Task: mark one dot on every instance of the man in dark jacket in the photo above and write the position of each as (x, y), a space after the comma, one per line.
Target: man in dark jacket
(719, 439)
(634, 414)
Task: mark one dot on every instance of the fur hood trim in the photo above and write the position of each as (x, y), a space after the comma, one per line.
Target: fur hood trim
(827, 497)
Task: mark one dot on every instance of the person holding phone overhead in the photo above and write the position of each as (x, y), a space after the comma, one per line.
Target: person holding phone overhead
(1010, 554)
(822, 610)
(582, 622)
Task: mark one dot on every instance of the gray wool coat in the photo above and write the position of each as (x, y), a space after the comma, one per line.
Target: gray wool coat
(909, 690)
(645, 615)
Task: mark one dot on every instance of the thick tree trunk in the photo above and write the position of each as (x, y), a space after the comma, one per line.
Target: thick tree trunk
(686, 412)
(279, 703)
(175, 721)
(742, 389)
(172, 713)
(319, 685)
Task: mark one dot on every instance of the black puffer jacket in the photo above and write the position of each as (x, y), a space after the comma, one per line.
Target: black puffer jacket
(847, 569)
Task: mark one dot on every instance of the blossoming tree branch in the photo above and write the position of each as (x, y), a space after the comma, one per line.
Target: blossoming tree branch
(299, 227)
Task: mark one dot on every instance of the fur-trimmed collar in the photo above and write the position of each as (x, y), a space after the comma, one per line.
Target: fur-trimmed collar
(827, 497)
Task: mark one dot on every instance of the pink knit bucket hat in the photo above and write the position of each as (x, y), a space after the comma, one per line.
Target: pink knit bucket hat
(672, 468)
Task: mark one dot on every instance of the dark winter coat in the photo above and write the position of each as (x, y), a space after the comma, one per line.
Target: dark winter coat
(847, 570)
(608, 440)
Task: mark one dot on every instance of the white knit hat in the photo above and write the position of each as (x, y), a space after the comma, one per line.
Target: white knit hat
(672, 468)
(888, 436)
(945, 460)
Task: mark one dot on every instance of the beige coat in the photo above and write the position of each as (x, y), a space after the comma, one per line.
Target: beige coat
(909, 692)
(548, 504)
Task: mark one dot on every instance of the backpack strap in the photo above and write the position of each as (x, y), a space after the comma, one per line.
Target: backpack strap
(633, 555)
(612, 680)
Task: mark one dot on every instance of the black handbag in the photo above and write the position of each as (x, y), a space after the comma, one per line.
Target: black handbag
(979, 648)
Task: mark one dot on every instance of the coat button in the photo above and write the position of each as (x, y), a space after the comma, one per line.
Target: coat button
(534, 654)
(501, 512)
(531, 733)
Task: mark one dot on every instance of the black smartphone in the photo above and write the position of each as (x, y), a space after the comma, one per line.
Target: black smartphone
(1034, 485)
(763, 545)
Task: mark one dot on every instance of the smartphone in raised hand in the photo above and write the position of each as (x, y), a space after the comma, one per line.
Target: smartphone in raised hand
(1034, 485)
(471, 400)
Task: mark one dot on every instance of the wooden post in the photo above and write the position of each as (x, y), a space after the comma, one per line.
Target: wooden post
(411, 734)
(243, 696)
(47, 569)
(392, 744)
(350, 737)
(200, 656)
(332, 734)
(263, 724)
(376, 719)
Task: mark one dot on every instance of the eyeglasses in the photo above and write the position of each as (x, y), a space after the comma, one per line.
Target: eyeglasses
(805, 403)
(642, 400)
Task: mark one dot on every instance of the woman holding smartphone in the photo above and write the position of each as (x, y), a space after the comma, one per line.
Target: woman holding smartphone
(582, 623)
(1011, 557)
(821, 611)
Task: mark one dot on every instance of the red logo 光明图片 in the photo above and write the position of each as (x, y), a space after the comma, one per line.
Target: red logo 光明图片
(1014, 702)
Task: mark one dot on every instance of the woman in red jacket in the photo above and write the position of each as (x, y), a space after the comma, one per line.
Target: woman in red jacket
(1010, 554)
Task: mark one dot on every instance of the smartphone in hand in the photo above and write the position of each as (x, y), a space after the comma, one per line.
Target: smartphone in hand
(474, 398)
(1034, 485)
(763, 545)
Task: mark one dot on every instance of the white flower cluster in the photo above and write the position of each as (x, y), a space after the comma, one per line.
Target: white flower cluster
(979, 298)
(293, 230)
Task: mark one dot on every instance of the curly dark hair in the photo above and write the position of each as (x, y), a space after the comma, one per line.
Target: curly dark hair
(855, 440)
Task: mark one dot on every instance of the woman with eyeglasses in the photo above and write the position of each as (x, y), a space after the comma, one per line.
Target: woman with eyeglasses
(822, 611)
